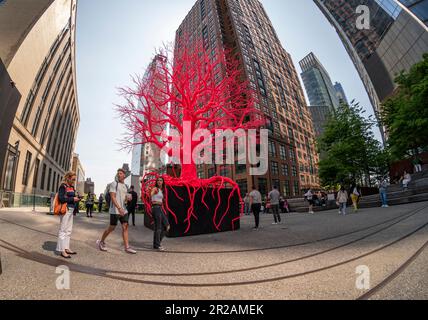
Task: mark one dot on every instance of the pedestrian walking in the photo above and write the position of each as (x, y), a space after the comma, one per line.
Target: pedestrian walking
(355, 193)
(256, 205)
(383, 189)
(90, 204)
(119, 195)
(100, 203)
(342, 200)
(159, 216)
(309, 196)
(274, 196)
(132, 205)
(247, 205)
(67, 198)
(77, 204)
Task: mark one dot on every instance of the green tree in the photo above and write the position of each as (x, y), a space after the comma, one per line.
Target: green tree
(349, 150)
(405, 115)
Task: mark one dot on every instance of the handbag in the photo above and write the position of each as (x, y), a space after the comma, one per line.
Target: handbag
(60, 209)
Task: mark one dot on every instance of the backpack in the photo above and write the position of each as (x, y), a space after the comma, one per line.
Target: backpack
(107, 196)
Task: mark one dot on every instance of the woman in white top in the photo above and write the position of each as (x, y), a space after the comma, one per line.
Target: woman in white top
(159, 216)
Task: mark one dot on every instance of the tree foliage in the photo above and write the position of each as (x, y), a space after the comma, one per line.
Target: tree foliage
(405, 115)
(349, 150)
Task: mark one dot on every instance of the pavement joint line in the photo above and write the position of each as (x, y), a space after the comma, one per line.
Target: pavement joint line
(248, 250)
(103, 273)
(394, 275)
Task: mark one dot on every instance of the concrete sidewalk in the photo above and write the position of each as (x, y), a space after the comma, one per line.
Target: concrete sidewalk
(307, 257)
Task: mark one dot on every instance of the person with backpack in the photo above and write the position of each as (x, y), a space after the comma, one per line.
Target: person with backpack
(256, 204)
(118, 212)
(64, 207)
(100, 203)
(274, 196)
(342, 200)
(90, 204)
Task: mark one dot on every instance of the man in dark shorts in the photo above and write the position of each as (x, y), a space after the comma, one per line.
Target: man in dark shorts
(119, 197)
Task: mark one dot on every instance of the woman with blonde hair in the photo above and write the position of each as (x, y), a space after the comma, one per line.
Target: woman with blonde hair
(67, 195)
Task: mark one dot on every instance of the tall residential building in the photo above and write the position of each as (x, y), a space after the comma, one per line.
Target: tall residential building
(395, 40)
(318, 84)
(320, 116)
(340, 93)
(146, 157)
(38, 95)
(244, 27)
(77, 168)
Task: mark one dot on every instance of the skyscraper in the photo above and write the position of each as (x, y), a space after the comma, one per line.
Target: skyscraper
(318, 84)
(244, 27)
(38, 95)
(340, 93)
(419, 8)
(395, 40)
(146, 158)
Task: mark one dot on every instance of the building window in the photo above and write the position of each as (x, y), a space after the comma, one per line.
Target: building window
(263, 187)
(49, 179)
(296, 190)
(54, 181)
(243, 186)
(283, 152)
(26, 168)
(240, 168)
(211, 172)
(294, 171)
(42, 182)
(272, 149)
(275, 168)
(36, 173)
(285, 171)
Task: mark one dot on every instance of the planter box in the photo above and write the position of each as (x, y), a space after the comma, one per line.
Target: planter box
(204, 224)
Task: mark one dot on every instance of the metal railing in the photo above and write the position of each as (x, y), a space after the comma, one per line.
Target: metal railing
(10, 199)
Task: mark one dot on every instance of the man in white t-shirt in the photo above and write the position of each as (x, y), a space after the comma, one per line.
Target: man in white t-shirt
(119, 197)
(256, 205)
(274, 196)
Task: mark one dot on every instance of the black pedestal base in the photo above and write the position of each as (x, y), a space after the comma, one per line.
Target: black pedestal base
(204, 223)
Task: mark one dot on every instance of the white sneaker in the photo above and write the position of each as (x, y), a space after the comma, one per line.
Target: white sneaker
(101, 246)
(130, 251)
(274, 223)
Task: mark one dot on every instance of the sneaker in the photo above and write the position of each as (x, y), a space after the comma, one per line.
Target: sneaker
(101, 246)
(130, 251)
(274, 223)
(255, 229)
(161, 249)
(311, 212)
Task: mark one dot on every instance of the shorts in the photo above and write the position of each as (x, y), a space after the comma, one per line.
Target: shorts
(311, 202)
(115, 218)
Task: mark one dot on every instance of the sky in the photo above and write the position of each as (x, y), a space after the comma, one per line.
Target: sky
(118, 39)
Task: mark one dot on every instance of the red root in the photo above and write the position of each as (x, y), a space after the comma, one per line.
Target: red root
(193, 186)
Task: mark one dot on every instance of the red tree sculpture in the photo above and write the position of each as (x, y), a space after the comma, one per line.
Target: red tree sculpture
(205, 90)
